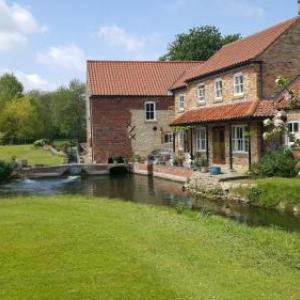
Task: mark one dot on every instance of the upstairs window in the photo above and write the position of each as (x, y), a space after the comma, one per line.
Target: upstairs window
(238, 84)
(201, 94)
(240, 141)
(150, 111)
(201, 139)
(181, 103)
(218, 89)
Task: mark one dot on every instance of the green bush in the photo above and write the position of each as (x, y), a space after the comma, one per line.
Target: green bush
(278, 163)
(40, 143)
(6, 170)
(254, 194)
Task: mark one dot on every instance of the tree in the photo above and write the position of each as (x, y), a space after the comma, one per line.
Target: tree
(68, 107)
(19, 120)
(10, 88)
(200, 43)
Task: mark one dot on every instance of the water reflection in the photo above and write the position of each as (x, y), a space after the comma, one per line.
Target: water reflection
(152, 191)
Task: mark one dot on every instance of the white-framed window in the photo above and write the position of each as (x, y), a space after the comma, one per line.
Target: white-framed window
(292, 128)
(181, 103)
(218, 89)
(168, 138)
(240, 140)
(201, 139)
(150, 111)
(181, 138)
(238, 83)
(201, 93)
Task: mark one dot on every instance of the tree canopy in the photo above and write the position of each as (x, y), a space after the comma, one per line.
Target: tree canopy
(199, 43)
(51, 115)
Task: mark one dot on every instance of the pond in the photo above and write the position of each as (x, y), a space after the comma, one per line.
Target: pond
(143, 189)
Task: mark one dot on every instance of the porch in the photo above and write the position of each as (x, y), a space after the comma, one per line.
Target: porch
(231, 146)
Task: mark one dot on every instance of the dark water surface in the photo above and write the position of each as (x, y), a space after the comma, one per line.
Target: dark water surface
(143, 189)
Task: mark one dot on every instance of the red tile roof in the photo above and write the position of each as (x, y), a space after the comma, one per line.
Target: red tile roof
(242, 51)
(217, 113)
(134, 78)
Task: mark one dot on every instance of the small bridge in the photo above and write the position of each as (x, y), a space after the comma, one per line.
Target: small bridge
(74, 170)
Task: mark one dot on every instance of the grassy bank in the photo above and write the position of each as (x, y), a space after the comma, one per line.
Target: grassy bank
(90, 248)
(29, 153)
(274, 192)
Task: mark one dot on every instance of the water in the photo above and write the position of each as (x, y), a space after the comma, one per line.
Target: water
(142, 189)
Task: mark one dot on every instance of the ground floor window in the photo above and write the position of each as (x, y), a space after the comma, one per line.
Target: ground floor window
(183, 141)
(201, 139)
(168, 138)
(240, 139)
(293, 129)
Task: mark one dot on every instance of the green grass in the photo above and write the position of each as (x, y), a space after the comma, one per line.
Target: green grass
(274, 191)
(29, 153)
(73, 247)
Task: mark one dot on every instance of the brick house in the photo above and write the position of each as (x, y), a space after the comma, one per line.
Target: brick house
(221, 104)
(130, 107)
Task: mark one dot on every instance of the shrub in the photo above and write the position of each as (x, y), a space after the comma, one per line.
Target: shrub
(278, 163)
(40, 143)
(254, 194)
(6, 170)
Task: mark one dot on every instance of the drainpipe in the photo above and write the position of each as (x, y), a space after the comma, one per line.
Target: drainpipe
(230, 148)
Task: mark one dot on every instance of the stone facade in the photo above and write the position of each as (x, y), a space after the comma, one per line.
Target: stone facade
(119, 127)
(251, 89)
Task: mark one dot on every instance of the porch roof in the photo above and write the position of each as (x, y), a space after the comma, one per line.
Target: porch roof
(235, 111)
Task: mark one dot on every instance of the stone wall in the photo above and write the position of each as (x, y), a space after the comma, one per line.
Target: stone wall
(118, 126)
(251, 89)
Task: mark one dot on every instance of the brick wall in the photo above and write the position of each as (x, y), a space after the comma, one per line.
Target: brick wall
(282, 58)
(119, 129)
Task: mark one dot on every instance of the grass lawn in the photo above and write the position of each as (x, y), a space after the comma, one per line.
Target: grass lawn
(275, 191)
(73, 247)
(29, 153)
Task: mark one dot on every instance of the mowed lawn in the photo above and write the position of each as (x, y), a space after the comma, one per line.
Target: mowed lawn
(28, 152)
(73, 247)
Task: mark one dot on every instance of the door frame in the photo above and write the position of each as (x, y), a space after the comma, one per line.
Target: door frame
(218, 160)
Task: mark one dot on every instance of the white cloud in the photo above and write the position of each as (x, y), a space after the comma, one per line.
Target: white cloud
(31, 81)
(68, 57)
(16, 23)
(119, 37)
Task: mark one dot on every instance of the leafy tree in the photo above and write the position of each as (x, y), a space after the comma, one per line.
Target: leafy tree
(68, 108)
(10, 88)
(19, 120)
(43, 102)
(200, 43)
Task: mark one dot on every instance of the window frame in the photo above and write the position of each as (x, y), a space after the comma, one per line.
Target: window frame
(154, 111)
(236, 140)
(240, 85)
(171, 140)
(201, 86)
(200, 139)
(216, 89)
(181, 108)
(293, 123)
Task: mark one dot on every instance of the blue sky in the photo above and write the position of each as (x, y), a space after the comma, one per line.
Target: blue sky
(46, 43)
